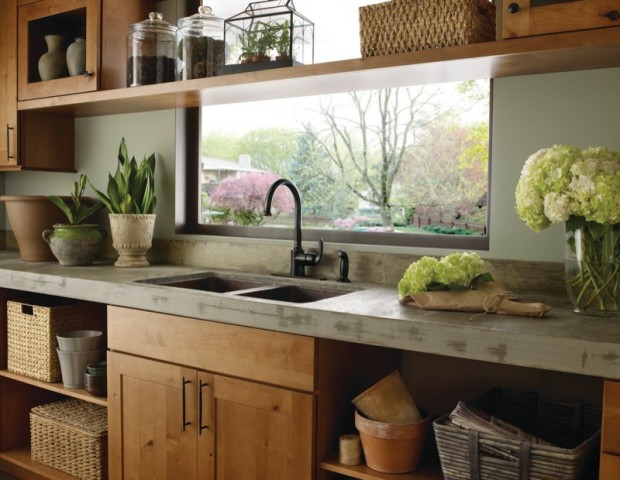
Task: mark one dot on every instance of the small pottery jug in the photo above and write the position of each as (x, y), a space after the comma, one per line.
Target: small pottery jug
(74, 244)
(53, 64)
(76, 57)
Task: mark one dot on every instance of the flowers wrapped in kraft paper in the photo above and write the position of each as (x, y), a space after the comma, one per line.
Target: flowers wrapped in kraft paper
(458, 282)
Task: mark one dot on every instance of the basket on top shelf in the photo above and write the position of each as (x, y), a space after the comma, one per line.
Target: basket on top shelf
(71, 436)
(572, 429)
(409, 25)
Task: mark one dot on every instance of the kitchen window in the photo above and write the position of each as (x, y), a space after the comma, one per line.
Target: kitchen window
(404, 165)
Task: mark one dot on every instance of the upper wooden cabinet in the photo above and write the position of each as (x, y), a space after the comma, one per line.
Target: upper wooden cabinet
(8, 84)
(68, 19)
(103, 25)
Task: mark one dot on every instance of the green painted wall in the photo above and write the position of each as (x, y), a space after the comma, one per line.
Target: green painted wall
(530, 113)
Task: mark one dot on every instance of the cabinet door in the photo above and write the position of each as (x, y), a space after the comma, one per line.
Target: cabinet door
(262, 432)
(152, 419)
(8, 83)
(69, 18)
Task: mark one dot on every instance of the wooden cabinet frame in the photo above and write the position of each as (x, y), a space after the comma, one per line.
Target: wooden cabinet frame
(30, 33)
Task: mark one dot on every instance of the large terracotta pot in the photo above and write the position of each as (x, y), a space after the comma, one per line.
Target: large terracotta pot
(132, 237)
(29, 216)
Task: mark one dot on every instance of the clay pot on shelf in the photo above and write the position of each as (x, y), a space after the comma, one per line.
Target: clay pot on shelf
(392, 447)
(29, 216)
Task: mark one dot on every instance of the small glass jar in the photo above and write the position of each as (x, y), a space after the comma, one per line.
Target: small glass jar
(200, 45)
(151, 51)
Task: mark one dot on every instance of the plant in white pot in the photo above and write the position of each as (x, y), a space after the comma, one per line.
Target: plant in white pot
(75, 243)
(131, 201)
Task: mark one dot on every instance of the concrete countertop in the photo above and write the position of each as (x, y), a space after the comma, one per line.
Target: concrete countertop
(562, 341)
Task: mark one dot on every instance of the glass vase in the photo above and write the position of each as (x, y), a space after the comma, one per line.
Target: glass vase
(592, 267)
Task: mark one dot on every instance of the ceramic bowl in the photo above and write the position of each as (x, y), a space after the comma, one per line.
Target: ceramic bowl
(79, 340)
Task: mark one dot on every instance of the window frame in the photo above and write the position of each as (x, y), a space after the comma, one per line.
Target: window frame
(187, 202)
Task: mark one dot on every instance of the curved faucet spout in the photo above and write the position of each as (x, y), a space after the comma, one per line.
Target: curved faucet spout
(299, 258)
(296, 199)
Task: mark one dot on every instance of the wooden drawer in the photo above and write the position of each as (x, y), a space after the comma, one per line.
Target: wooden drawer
(610, 435)
(523, 18)
(264, 356)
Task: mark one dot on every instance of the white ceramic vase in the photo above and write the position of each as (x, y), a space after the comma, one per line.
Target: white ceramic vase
(76, 57)
(132, 238)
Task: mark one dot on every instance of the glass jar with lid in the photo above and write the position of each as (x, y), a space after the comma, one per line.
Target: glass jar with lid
(200, 45)
(151, 51)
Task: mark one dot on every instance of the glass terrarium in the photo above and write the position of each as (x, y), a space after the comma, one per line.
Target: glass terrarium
(268, 34)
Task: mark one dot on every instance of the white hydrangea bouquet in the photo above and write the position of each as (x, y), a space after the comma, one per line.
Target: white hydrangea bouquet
(458, 282)
(582, 188)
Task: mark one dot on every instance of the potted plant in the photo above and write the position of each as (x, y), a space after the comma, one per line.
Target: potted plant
(283, 41)
(131, 201)
(256, 43)
(76, 242)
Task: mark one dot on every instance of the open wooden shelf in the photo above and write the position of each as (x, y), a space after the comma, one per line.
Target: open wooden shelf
(562, 52)
(57, 387)
(20, 458)
(423, 472)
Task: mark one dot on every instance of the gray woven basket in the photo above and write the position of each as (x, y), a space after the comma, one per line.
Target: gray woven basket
(572, 427)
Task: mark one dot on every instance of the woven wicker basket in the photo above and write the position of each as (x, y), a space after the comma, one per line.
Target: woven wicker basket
(572, 427)
(71, 436)
(409, 25)
(32, 329)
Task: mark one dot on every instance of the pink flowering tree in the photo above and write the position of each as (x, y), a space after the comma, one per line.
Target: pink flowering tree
(243, 198)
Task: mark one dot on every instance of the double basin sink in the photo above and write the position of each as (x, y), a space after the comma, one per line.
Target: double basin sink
(265, 288)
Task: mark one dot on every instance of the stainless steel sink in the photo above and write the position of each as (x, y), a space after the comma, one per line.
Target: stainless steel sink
(293, 294)
(267, 289)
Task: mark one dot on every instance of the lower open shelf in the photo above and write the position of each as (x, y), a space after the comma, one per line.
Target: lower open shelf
(57, 387)
(17, 461)
(425, 471)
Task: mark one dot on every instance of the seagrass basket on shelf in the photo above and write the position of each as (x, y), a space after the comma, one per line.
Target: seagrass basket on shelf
(71, 436)
(572, 429)
(32, 326)
(408, 25)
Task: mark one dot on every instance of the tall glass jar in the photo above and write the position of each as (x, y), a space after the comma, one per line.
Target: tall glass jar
(200, 45)
(151, 51)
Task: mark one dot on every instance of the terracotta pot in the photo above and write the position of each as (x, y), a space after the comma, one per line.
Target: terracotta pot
(132, 237)
(388, 401)
(75, 245)
(29, 216)
(392, 447)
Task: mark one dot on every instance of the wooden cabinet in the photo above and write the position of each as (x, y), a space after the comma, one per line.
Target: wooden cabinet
(166, 421)
(8, 84)
(222, 401)
(610, 434)
(31, 140)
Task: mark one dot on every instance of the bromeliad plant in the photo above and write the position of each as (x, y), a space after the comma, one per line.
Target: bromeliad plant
(132, 188)
(76, 211)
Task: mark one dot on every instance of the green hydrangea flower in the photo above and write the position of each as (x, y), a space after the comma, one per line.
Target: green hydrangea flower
(417, 276)
(561, 182)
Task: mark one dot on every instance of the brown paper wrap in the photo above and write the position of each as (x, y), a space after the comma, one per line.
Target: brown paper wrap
(487, 297)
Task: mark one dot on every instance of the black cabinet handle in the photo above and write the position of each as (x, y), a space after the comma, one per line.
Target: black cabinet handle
(88, 74)
(613, 15)
(8, 141)
(513, 8)
(185, 422)
(201, 427)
